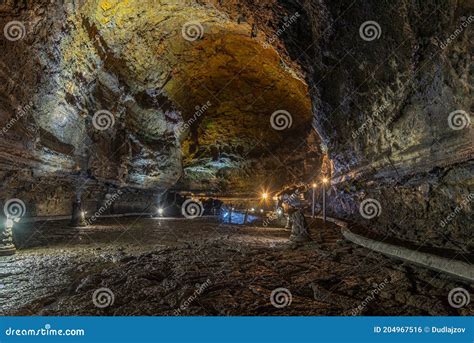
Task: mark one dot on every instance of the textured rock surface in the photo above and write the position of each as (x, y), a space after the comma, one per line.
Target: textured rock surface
(299, 227)
(380, 107)
(155, 267)
(131, 58)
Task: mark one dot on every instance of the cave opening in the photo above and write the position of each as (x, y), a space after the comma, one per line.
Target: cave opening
(149, 146)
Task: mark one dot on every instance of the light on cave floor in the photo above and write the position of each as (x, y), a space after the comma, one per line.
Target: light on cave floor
(160, 211)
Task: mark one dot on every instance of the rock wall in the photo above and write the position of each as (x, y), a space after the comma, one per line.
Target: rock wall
(394, 110)
(118, 93)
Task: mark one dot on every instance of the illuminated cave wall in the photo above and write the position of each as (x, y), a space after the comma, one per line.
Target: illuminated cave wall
(131, 58)
(102, 94)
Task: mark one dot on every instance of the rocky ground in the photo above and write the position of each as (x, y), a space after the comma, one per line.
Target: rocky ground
(386, 117)
(200, 267)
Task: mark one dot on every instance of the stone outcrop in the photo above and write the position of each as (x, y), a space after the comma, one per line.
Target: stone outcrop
(299, 227)
(394, 113)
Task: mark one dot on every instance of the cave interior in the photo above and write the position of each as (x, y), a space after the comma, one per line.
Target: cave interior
(236, 157)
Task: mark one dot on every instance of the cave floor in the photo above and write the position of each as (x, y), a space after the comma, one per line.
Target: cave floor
(200, 267)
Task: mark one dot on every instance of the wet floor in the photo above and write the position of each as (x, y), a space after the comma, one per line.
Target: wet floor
(147, 266)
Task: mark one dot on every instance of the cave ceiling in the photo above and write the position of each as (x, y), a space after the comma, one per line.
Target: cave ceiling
(162, 94)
